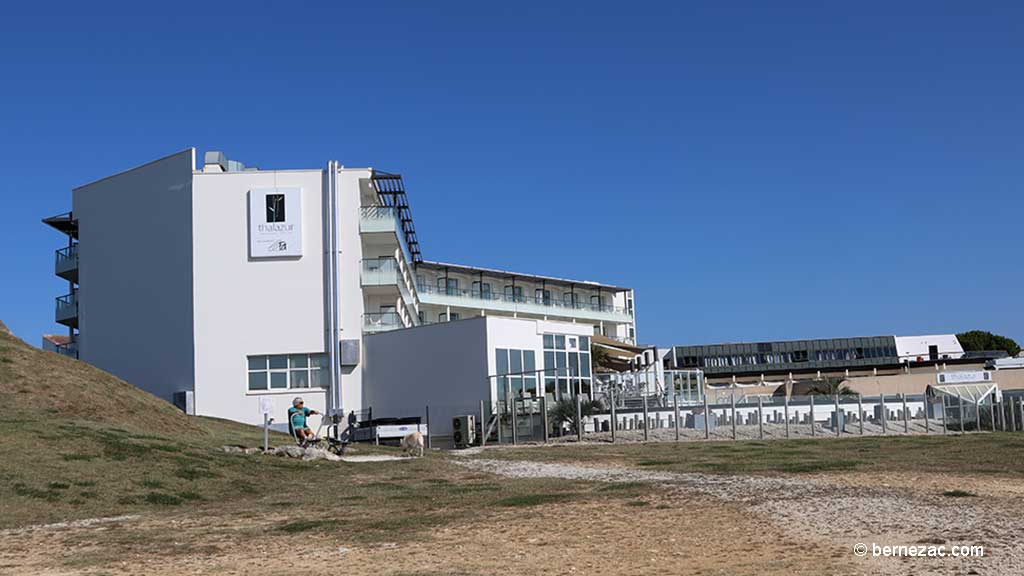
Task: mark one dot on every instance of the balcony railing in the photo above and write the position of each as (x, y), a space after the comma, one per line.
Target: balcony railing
(67, 309)
(484, 298)
(378, 219)
(380, 271)
(66, 262)
(387, 271)
(381, 321)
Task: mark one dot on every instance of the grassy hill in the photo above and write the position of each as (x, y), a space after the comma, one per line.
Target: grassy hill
(76, 442)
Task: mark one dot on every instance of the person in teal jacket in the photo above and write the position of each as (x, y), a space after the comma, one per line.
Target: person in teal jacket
(297, 417)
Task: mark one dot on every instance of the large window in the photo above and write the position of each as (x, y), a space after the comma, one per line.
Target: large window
(481, 290)
(449, 286)
(566, 365)
(514, 293)
(542, 296)
(517, 373)
(287, 371)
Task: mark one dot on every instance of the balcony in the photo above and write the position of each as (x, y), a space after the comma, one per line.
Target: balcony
(537, 306)
(380, 272)
(379, 219)
(67, 310)
(381, 322)
(66, 263)
(388, 271)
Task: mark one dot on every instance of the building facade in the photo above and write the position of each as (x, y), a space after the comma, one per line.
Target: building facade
(250, 284)
(811, 356)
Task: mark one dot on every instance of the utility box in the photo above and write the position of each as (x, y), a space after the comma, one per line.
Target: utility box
(464, 431)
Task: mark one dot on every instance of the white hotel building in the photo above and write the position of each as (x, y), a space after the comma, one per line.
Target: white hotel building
(220, 285)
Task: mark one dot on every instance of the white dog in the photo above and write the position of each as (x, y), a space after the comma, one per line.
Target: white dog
(412, 444)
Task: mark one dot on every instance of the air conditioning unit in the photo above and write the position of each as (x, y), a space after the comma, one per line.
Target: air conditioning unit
(464, 431)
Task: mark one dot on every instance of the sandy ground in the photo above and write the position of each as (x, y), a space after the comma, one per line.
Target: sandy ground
(686, 524)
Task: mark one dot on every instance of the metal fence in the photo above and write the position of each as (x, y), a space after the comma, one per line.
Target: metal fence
(541, 419)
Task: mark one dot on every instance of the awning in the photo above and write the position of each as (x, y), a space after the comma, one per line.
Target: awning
(618, 353)
(974, 393)
(63, 223)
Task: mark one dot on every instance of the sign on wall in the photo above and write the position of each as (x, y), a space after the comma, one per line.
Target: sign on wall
(964, 377)
(275, 222)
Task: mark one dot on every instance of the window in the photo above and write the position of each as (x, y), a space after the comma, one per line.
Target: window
(449, 286)
(596, 303)
(519, 365)
(482, 290)
(287, 371)
(275, 207)
(542, 296)
(442, 317)
(566, 372)
(513, 293)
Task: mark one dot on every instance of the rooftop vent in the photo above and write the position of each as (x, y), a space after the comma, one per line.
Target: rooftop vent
(216, 161)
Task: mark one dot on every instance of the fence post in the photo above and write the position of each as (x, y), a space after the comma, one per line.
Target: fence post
(1002, 415)
(266, 432)
(927, 430)
(760, 419)
(838, 416)
(785, 412)
(707, 413)
(732, 401)
(906, 420)
(579, 418)
(676, 402)
(428, 427)
(884, 412)
(483, 426)
(860, 413)
(647, 422)
(1013, 419)
(515, 433)
(812, 414)
(544, 416)
(615, 420)
(961, 398)
(945, 428)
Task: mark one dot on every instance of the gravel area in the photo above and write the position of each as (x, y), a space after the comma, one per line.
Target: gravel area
(822, 509)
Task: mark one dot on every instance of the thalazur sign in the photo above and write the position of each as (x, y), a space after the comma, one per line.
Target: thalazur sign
(964, 377)
(275, 222)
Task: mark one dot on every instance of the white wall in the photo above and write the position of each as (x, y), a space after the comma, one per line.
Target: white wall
(249, 306)
(350, 264)
(442, 365)
(910, 347)
(135, 274)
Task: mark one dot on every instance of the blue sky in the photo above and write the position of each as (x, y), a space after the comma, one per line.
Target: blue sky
(756, 170)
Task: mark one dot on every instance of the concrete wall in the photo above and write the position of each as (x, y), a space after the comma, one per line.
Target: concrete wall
(135, 274)
(442, 365)
(246, 306)
(916, 383)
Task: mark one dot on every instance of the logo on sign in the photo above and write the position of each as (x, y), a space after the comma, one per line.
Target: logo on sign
(964, 377)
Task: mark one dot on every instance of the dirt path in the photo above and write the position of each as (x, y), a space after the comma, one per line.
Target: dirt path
(869, 509)
(684, 524)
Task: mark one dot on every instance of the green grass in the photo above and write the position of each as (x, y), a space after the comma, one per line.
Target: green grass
(304, 526)
(988, 454)
(533, 499)
(959, 494)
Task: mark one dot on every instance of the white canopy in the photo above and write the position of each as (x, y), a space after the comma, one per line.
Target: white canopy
(974, 393)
